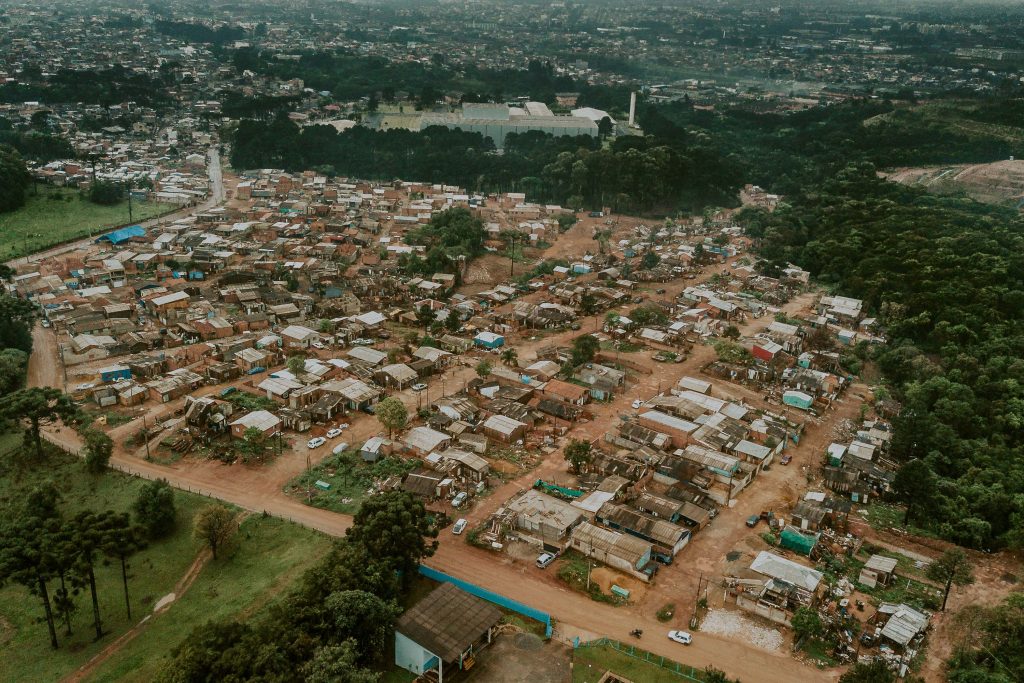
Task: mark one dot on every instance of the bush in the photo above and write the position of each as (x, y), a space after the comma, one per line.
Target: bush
(105, 193)
(666, 612)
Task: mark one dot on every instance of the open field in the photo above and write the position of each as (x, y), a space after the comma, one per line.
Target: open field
(1001, 182)
(57, 215)
(265, 559)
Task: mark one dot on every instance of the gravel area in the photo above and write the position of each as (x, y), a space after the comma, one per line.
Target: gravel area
(723, 623)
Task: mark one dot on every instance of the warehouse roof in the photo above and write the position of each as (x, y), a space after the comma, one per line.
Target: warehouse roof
(448, 621)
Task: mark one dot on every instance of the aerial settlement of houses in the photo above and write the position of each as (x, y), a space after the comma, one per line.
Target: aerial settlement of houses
(705, 379)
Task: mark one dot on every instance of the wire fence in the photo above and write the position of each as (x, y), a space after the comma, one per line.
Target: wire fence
(684, 671)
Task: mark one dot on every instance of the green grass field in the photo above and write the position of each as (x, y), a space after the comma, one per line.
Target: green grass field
(264, 559)
(57, 215)
(591, 662)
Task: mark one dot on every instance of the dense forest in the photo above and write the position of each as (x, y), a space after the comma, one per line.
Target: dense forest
(786, 152)
(349, 76)
(946, 278)
(633, 174)
(106, 87)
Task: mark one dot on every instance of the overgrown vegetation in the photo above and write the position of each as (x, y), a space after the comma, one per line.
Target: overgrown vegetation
(946, 277)
(349, 478)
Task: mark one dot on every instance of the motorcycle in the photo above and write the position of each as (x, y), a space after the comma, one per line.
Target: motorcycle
(636, 633)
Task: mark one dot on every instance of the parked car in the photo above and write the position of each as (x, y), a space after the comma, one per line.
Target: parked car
(680, 637)
(343, 426)
(637, 403)
(419, 386)
(363, 342)
(256, 370)
(459, 499)
(340, 448)
(544, 559)
(331, 433)
(752, 520)
(227, 391)
(786, 459)
(318, 345)
(459, 527)
(316, 442)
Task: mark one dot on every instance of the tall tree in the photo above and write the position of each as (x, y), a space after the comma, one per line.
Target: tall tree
(395, 525)
(121, 540)
(952, 568)
(90, 529)
(16, 319)
(364, 617)
(28, 553)
(915, 486)
(392, 414)
(13, 366)
(584, 348)
(154, 509)
(98, 449)
(38, 406)
(214, 525)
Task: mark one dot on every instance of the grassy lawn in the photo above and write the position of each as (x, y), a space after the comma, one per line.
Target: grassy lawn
(590, 663)
(265, 558)
(885, 516)
(268, 556)
(57, 215)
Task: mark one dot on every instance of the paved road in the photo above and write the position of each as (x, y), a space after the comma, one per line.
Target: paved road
(216, 179)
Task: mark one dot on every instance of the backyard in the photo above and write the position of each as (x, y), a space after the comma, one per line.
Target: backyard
(56, 215)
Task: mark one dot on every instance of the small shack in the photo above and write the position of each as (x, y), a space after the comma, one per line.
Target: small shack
(879, 569)
(444, 631)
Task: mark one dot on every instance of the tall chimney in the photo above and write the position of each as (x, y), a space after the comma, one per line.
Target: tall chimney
(632, 108)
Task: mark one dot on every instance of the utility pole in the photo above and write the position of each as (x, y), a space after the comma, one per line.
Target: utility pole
(145, 434)
(130, 220)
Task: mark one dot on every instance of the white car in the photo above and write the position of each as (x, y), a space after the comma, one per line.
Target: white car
(637, 404)
(316, 442)
(363, 342)
(419, 386)
(318, 345)
(343, 426)
(680, 637)
(459, 527)
(459, 499)
(331, 433)
(544, 559)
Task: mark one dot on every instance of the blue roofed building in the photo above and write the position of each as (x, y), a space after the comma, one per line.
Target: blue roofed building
(122, 235)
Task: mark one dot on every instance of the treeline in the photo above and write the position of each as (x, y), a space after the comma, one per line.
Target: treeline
(635, 173)
(786, 152)
(946, 278)
(337, 624)
(199, 33)
(14, 179)
(35, 144)
(350, 76)
(104, 87)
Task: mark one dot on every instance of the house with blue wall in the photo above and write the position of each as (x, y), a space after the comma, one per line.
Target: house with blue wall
(489, 340)
(444, 631)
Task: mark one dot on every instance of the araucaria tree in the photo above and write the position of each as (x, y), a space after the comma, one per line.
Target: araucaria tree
(952, 568)
(154, 509)
(38, 406)
(29, 551)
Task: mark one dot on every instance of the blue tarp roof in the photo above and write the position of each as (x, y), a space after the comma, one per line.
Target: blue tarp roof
(123, 234)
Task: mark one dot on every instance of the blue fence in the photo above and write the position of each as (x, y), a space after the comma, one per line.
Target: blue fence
(489, 596)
